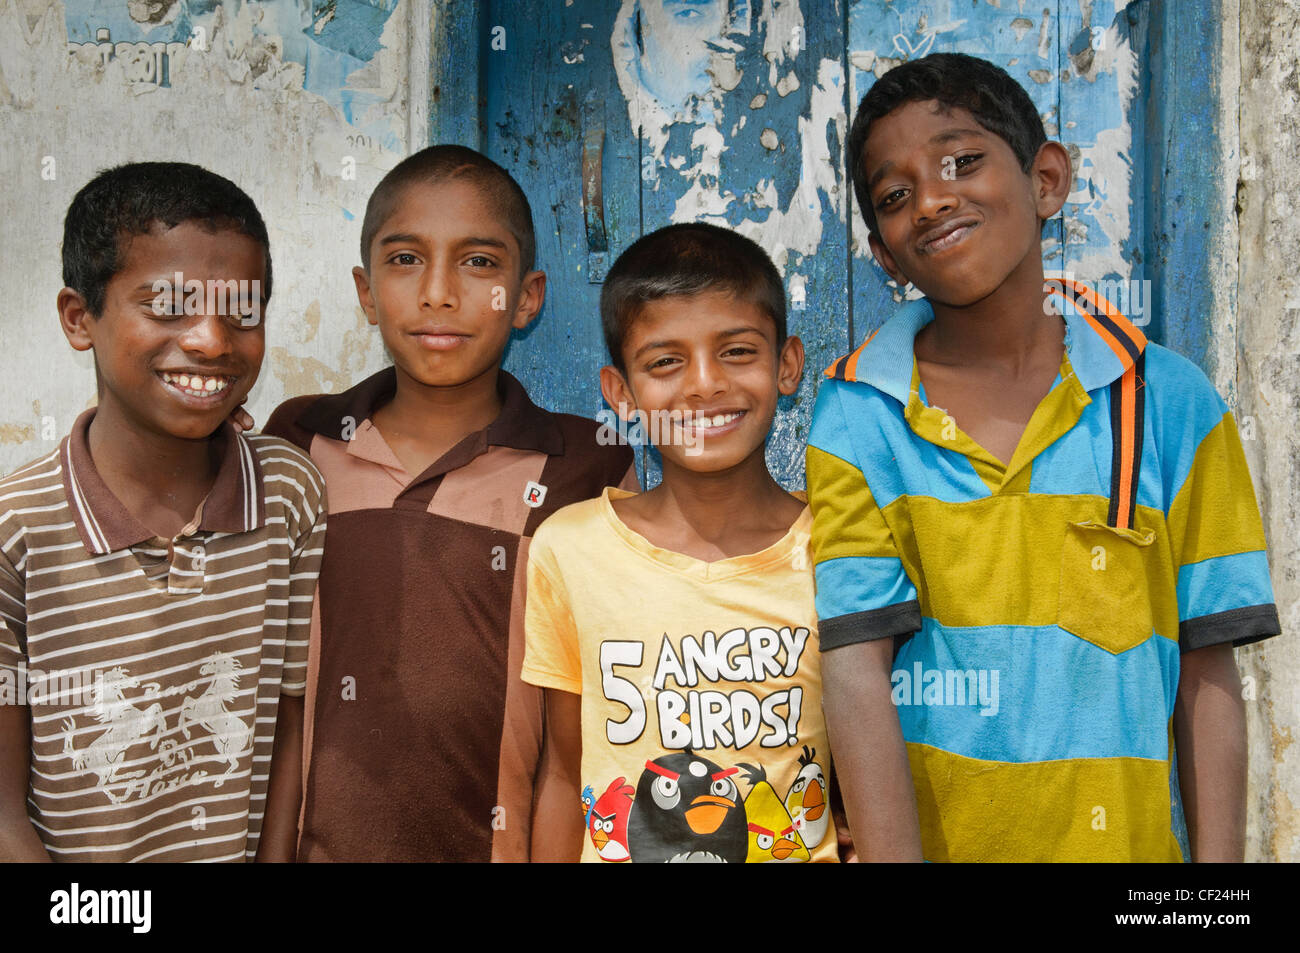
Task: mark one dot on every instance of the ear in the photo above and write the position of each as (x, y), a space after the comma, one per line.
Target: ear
(789, 371)
(361, 279)
(75, 319)
(1052, 175)
(617, 392)
(886, 260)
(532, 293)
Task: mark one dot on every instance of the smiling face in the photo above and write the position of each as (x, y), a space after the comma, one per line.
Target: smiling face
(444, 284)
(165, 370)
(709, 363)
(956, 214)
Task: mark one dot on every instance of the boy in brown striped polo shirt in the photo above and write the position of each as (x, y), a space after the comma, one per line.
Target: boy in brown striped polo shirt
(157, 569)
(422, 741)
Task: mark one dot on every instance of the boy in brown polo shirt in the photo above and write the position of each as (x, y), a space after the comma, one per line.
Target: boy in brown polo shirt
(157, 568)
(421, 739)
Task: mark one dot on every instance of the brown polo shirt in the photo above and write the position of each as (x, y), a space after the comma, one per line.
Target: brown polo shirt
(152, 667)
(422, 741)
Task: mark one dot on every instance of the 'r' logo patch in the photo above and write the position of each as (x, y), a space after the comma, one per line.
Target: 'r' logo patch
(534, 493)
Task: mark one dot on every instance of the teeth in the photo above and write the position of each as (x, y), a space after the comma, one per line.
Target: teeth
(197, 386)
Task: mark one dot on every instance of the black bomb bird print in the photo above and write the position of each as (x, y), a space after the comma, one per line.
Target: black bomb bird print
(687, 809)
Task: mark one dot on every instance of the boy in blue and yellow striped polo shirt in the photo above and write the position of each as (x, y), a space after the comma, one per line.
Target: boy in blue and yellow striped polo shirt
(1051, 516)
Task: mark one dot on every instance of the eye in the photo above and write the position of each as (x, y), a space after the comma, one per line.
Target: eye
(740, 350)
(800, 785)
(608, 825)
(891, 198)
(765, 841)
(665, 793)
(966, 160)
(480, 261)
(164, 308)
(660, 363)
(722, 787)
(403, 258)
(246, 321)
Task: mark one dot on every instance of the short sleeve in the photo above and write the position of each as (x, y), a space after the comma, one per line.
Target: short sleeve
(304, 570)
(13, 621)
(1217, 540)
(863, 591)
(551, 655)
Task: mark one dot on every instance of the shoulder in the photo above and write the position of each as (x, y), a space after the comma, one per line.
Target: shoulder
(45, 473)
(570, 526)
(286, 470)
(32, 495)
(283, 421)
(592, 446)
(1175, 379)
(1182, 402)
(854, 419)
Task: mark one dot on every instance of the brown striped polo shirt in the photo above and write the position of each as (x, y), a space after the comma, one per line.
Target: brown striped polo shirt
(153, 668)
(422, 741)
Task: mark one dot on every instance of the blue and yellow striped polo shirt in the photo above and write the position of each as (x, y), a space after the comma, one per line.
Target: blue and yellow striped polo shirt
(1037, 694)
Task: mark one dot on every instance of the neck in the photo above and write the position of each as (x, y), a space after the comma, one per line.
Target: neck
(1000, 331)
(137, 463)
(718, 503)
(437, 414)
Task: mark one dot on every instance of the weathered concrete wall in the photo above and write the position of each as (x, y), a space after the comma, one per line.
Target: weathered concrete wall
(1267, 343)
(305, 112)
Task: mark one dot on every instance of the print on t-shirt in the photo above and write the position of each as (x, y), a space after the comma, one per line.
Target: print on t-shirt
(687, 806)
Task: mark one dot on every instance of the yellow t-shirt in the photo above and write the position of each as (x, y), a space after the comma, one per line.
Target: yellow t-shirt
(702, 730)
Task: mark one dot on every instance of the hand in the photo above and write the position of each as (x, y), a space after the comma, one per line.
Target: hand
(241, 419)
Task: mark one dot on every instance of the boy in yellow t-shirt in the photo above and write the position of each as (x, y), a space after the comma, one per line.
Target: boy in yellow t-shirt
(674, 631)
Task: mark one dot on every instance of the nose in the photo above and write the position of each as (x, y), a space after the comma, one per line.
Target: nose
(438, 287)
(933, 197)
(707, 378)
(207, 336)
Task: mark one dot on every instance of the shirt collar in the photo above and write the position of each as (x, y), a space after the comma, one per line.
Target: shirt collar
(1103, 344)
(236, 503)
(521, 424)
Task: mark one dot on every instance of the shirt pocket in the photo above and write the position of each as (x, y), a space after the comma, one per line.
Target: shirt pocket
(1105, 592)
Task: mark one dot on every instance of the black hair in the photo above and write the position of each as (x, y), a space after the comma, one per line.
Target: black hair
(954, 80)
(131, 199)
(685, 260)
(438, 163)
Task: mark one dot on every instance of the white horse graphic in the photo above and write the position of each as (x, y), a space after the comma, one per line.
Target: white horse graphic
(230, 735)
(128, 724)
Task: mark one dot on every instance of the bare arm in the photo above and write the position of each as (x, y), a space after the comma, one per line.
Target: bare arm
(279, 841)
(18, 838)
(557, 816)
(1210, 738)
(870, 757)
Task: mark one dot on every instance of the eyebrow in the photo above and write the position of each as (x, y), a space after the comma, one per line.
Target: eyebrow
(729, 333)
(662, 772)
(948, 135)
(402, 238)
